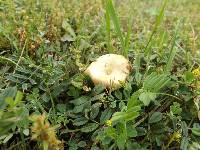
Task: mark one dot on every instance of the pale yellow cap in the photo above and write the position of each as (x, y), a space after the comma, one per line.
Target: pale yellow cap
(110, 70)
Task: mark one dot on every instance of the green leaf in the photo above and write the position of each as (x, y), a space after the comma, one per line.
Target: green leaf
(61, 107)
(113, 104)
(45, 97)
(184, 128)
(72, 144)
(176, 108)
(196, 131)
(132, 113)
(73, 92)
(118, 116)
(189, 77)
(45, 145)
(122, 135)
(118, 94)
(95, 110)
(98, 89)
(133, 101)
(10, 101)
(147, 97)
(184, 143)
(194, 146)
(94, 148)
(89, 127)
(83, 45)
(141, 131)
(18, 76)
(68, 29)
(134, 146)
(8, 137)
(78, 80)
(82, 144)
(11, 78)
(80, 121)
(126, 116)
(81, 100)
(26, 132)
(6, 125)
(155, 82)
(8, 92)
(97, 97)
(81, 107)
(155, 117)
(111, 132)
(18, 97)
(131, 131)
(122, 105)
(105, 115)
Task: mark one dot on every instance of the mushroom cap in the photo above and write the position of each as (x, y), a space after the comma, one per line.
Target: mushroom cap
(109, 70)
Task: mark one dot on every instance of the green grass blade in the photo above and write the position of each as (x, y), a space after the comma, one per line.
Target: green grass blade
(161, 41)
(159, 19)
(129, 28)
(115, 19)
(172, 49)
(127, 39)
(136, 66)
(108, 32)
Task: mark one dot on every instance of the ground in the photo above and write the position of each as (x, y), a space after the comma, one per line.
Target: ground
(46, 100)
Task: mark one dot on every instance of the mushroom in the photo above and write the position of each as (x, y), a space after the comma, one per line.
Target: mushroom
(109, 70)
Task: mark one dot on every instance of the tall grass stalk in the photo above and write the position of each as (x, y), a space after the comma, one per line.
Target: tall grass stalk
(159, 19)
(173, 50)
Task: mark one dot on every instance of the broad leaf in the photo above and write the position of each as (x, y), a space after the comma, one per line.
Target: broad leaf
(134, 101)
(147, 97)
(126, 116)
(122, 135)
(196, 131)
(80, 121)
(89, 127)
(105, 115)
(155, 117)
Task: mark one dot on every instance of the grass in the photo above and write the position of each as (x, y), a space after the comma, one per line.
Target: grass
(44, 51)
